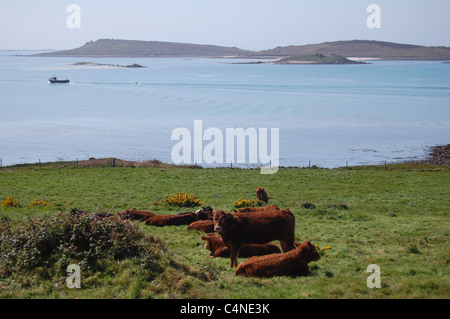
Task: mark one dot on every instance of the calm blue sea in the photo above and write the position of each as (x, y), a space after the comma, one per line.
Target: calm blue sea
(327, 115)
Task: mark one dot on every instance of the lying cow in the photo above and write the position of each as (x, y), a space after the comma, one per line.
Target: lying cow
(257, 209)
(206, 226)
(202, 214)
(292, 263)
(141, 215)
(171, 220)
(215, 244)
(255, 228)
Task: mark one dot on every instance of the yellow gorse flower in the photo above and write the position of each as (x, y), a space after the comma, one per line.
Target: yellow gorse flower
(37, 202)
(181, 200)
(10, 202)
(323, 251)
(240, 203)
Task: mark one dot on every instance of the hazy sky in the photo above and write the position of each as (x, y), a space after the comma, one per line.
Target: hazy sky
(247, 24)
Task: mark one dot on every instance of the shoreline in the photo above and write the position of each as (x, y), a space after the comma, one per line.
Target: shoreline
(438, 155)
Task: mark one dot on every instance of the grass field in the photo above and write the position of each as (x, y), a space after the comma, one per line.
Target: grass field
(396, 217)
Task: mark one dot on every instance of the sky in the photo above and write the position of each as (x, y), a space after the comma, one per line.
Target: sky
(246, 24)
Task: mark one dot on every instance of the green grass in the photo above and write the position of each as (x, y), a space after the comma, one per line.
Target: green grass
(397, 218)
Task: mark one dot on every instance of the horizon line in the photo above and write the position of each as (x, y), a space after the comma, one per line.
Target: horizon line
(226, 46)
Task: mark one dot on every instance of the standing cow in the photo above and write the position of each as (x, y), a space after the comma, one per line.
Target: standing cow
(255, 228)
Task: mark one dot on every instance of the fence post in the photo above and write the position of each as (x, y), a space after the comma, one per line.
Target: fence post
(113, 162)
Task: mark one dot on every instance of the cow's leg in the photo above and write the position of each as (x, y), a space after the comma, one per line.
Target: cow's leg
(234, 253)
(287, 245)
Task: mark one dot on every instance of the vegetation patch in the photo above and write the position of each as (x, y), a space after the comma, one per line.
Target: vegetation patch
(397, 218)
(40, 250)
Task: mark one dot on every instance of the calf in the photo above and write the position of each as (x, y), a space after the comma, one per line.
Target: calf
(292, 263)
(255, 228)
(141, 215)
(215, 244)
(206, 226)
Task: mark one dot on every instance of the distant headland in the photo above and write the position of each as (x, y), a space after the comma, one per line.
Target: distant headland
(353, 48)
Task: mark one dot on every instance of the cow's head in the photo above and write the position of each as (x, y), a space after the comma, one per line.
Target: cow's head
(309, 251)
(220, 220)
(203, 214)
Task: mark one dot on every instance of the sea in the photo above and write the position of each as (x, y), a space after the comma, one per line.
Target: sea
(326, 115)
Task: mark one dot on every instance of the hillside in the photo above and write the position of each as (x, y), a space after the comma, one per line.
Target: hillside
(355, 48)
(361, 48)
(131, 48)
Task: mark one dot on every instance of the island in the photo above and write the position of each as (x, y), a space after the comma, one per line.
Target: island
(316, 59)
(135, 65)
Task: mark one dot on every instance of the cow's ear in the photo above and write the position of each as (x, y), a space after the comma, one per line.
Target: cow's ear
(204, 238)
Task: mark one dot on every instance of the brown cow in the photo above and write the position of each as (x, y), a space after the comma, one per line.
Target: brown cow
(257, 209)
(171, 220)
(255, 228)
(206, 226)
(292, 263)
(215, 244)
(185, 218)
(141, 215)
(262, 195)
(202, 214)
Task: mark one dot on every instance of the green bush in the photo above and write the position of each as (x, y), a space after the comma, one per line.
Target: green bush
(91, 242)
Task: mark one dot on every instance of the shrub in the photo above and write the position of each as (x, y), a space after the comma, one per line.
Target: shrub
(180, 200)
(308, 205)
(240, 203)
(53, 244)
